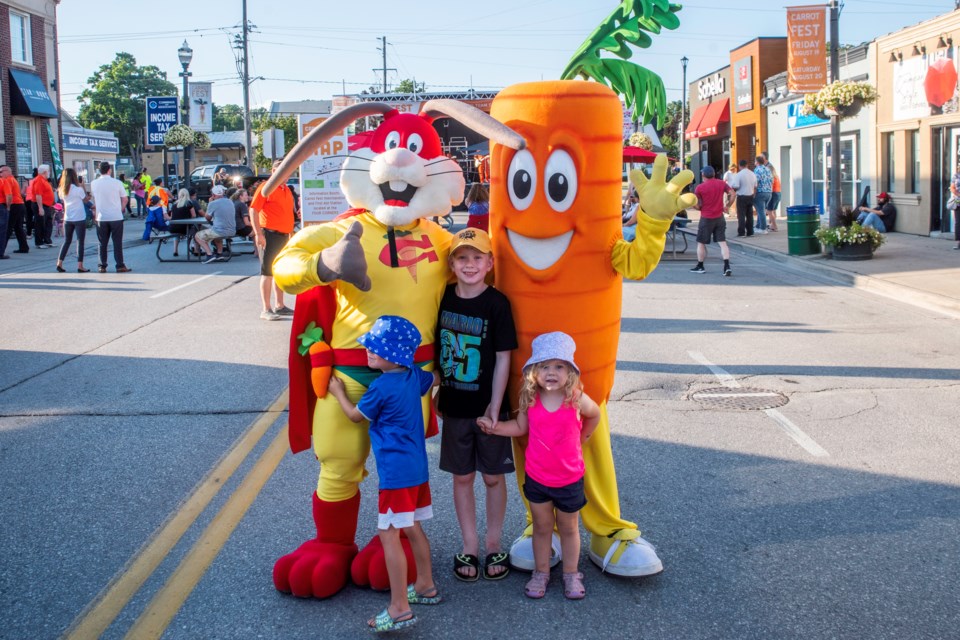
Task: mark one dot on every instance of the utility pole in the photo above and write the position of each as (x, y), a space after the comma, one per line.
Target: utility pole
(836, 189)
(384, 67)
(248, 138)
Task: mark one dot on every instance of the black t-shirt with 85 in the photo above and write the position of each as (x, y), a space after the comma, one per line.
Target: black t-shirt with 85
(470, 332)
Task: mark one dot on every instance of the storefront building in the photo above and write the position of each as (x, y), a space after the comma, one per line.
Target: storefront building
(799, 145)
(750, 64)
(708, 132)
(918, 122)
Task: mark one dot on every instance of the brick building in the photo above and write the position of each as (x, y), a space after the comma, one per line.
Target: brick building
(29, 90)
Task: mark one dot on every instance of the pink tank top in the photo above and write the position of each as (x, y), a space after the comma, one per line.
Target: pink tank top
(553, 456)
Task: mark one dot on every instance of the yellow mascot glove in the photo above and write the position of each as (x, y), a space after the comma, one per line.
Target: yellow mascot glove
(659, 199)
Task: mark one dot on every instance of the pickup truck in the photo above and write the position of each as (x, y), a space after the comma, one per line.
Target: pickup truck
(201, 178)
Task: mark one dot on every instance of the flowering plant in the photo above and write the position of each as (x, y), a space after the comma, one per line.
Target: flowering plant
(641, 140)
(181, 135)
(854, 234)
(838, 94)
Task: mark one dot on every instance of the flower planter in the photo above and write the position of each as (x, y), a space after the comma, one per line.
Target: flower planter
(853, 252)
(845, 110)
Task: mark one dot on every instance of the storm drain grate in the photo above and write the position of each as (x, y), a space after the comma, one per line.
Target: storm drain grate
(739, 398)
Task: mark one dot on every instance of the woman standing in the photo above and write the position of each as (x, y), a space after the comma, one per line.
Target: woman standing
(75, 217)
(478, 207)
(955, 192)
(729, 177)
(774, 205)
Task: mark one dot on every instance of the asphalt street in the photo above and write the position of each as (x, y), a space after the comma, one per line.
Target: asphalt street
(788, 444)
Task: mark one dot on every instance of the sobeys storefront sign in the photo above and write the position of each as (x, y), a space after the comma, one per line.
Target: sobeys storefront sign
(712, 86)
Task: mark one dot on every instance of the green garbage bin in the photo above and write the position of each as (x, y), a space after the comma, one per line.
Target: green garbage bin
(802, 223)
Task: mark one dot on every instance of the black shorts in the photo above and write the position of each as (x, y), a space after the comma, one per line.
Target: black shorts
(568, 499)
(715, 228)
(465, 448)
(275, 242)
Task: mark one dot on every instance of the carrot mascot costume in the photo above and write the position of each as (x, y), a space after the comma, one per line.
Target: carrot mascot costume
(557, 237)
(382, 257)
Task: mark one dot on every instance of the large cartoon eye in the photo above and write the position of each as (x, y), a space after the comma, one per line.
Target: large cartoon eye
(415, 142)
(522, 179)
(392, 140)
(560, 182)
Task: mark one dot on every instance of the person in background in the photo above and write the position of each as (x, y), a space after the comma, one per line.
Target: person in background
(745, 184)
(147, 184)
(774, 205)
(136, 186)
(31, 218)
(18, 212)
(184, 209)
(630, 218)
(43, 196)
(158, 190)
(883, 218)
(272, 218)
(764, 192)
(222, 215)
(729, 176)
(111, 198)
(221, 177)
(240, 198)
(126, 186)
(713, 197)
(75, 217)
(478, 207)
(4, 221)
(156, 219)
(955, 193)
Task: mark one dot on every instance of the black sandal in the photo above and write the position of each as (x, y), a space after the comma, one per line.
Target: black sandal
(464, 560)
(499, 559)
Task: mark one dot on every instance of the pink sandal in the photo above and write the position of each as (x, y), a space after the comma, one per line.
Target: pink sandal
(573, 588)
(537, 585)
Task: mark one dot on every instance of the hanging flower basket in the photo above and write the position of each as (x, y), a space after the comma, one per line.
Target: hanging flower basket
(181, 135)
(641, 140)
(843, 99)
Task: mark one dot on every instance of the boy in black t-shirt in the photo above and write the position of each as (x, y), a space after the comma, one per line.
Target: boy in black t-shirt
(476, 335)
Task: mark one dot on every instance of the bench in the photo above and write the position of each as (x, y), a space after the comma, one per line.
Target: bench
(161, 240)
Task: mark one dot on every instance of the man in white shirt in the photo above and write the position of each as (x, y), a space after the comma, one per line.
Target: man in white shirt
(745, 183)
(110, 197)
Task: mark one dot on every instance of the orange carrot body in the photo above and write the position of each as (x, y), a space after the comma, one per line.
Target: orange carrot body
(321, 361)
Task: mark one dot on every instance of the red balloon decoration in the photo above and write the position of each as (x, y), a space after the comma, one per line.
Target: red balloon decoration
(940, 82)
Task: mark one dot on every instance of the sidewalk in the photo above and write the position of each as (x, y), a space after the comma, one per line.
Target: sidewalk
(918, 270)
(38, 259)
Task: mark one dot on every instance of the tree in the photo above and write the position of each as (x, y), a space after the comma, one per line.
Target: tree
(264, 122)
(407, 85)
(114, 100)
(229, 117)
(670, 132)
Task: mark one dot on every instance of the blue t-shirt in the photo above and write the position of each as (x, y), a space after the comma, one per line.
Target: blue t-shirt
(392, 405)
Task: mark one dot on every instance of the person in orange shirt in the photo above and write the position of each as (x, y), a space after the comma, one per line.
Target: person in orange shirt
(272, 219)
(4, 221)
(158, 190)
(18, 211)
(43, 196)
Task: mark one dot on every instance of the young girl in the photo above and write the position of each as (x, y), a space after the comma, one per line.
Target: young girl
(559, 417)
(478, 207)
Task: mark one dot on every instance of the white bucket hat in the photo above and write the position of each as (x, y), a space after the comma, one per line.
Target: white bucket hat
(552, 346)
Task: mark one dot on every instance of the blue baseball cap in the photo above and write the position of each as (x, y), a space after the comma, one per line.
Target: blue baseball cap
(393, 338)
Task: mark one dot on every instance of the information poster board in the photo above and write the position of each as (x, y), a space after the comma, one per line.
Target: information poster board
(320, 197)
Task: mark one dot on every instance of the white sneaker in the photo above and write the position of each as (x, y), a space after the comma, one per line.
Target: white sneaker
(269, 315)
(521, 553)
(637, 560)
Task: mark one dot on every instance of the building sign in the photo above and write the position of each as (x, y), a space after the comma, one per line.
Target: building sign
(321, 199)
(924, 86)
(162, 113)
(85, 142)
(806, 48)
(715, 85)
(201, 106)
(743, 84)
(797, 120)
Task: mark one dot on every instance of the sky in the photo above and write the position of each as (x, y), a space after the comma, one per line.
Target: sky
(302, 49)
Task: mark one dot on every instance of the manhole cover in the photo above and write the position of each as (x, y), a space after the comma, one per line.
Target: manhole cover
(739, 398)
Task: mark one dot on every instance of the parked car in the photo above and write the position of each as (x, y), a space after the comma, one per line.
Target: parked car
(201, 178)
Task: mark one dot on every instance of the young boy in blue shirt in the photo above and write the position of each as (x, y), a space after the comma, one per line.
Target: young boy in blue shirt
(155, 218)
(392, 405)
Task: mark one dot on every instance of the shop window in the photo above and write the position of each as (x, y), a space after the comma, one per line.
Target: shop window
(914, 161)
(21, 43)
(26, 146)
(890, 168)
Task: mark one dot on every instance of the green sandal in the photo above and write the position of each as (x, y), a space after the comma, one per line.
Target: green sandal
(464, 560)
(499, 559)
(419, 598)
(384, 622)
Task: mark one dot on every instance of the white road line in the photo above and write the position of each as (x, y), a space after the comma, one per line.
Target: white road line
(186, 284)
(792, 430)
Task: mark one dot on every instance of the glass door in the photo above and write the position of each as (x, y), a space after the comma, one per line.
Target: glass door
(850, 182)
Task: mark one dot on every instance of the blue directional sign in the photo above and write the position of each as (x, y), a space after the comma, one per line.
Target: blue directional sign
(162, 113)
(797, 120)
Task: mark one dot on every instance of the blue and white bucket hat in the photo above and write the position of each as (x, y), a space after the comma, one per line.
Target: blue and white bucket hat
(392, 338)
(552, 346)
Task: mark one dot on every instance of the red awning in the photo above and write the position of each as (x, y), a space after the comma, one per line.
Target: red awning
(695, 119)
(636, 154)
(717, 112)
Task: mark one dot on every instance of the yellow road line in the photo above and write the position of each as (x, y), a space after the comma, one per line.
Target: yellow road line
(100, 614)
(165, 605)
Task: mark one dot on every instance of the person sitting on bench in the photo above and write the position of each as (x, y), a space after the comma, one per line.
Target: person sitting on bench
(156, 218)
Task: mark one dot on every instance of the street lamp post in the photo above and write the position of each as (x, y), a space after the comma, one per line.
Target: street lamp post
(185, 53)
(683, 116)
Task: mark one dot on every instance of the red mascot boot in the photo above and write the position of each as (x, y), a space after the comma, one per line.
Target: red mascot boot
(319, 567)
(370, 569)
